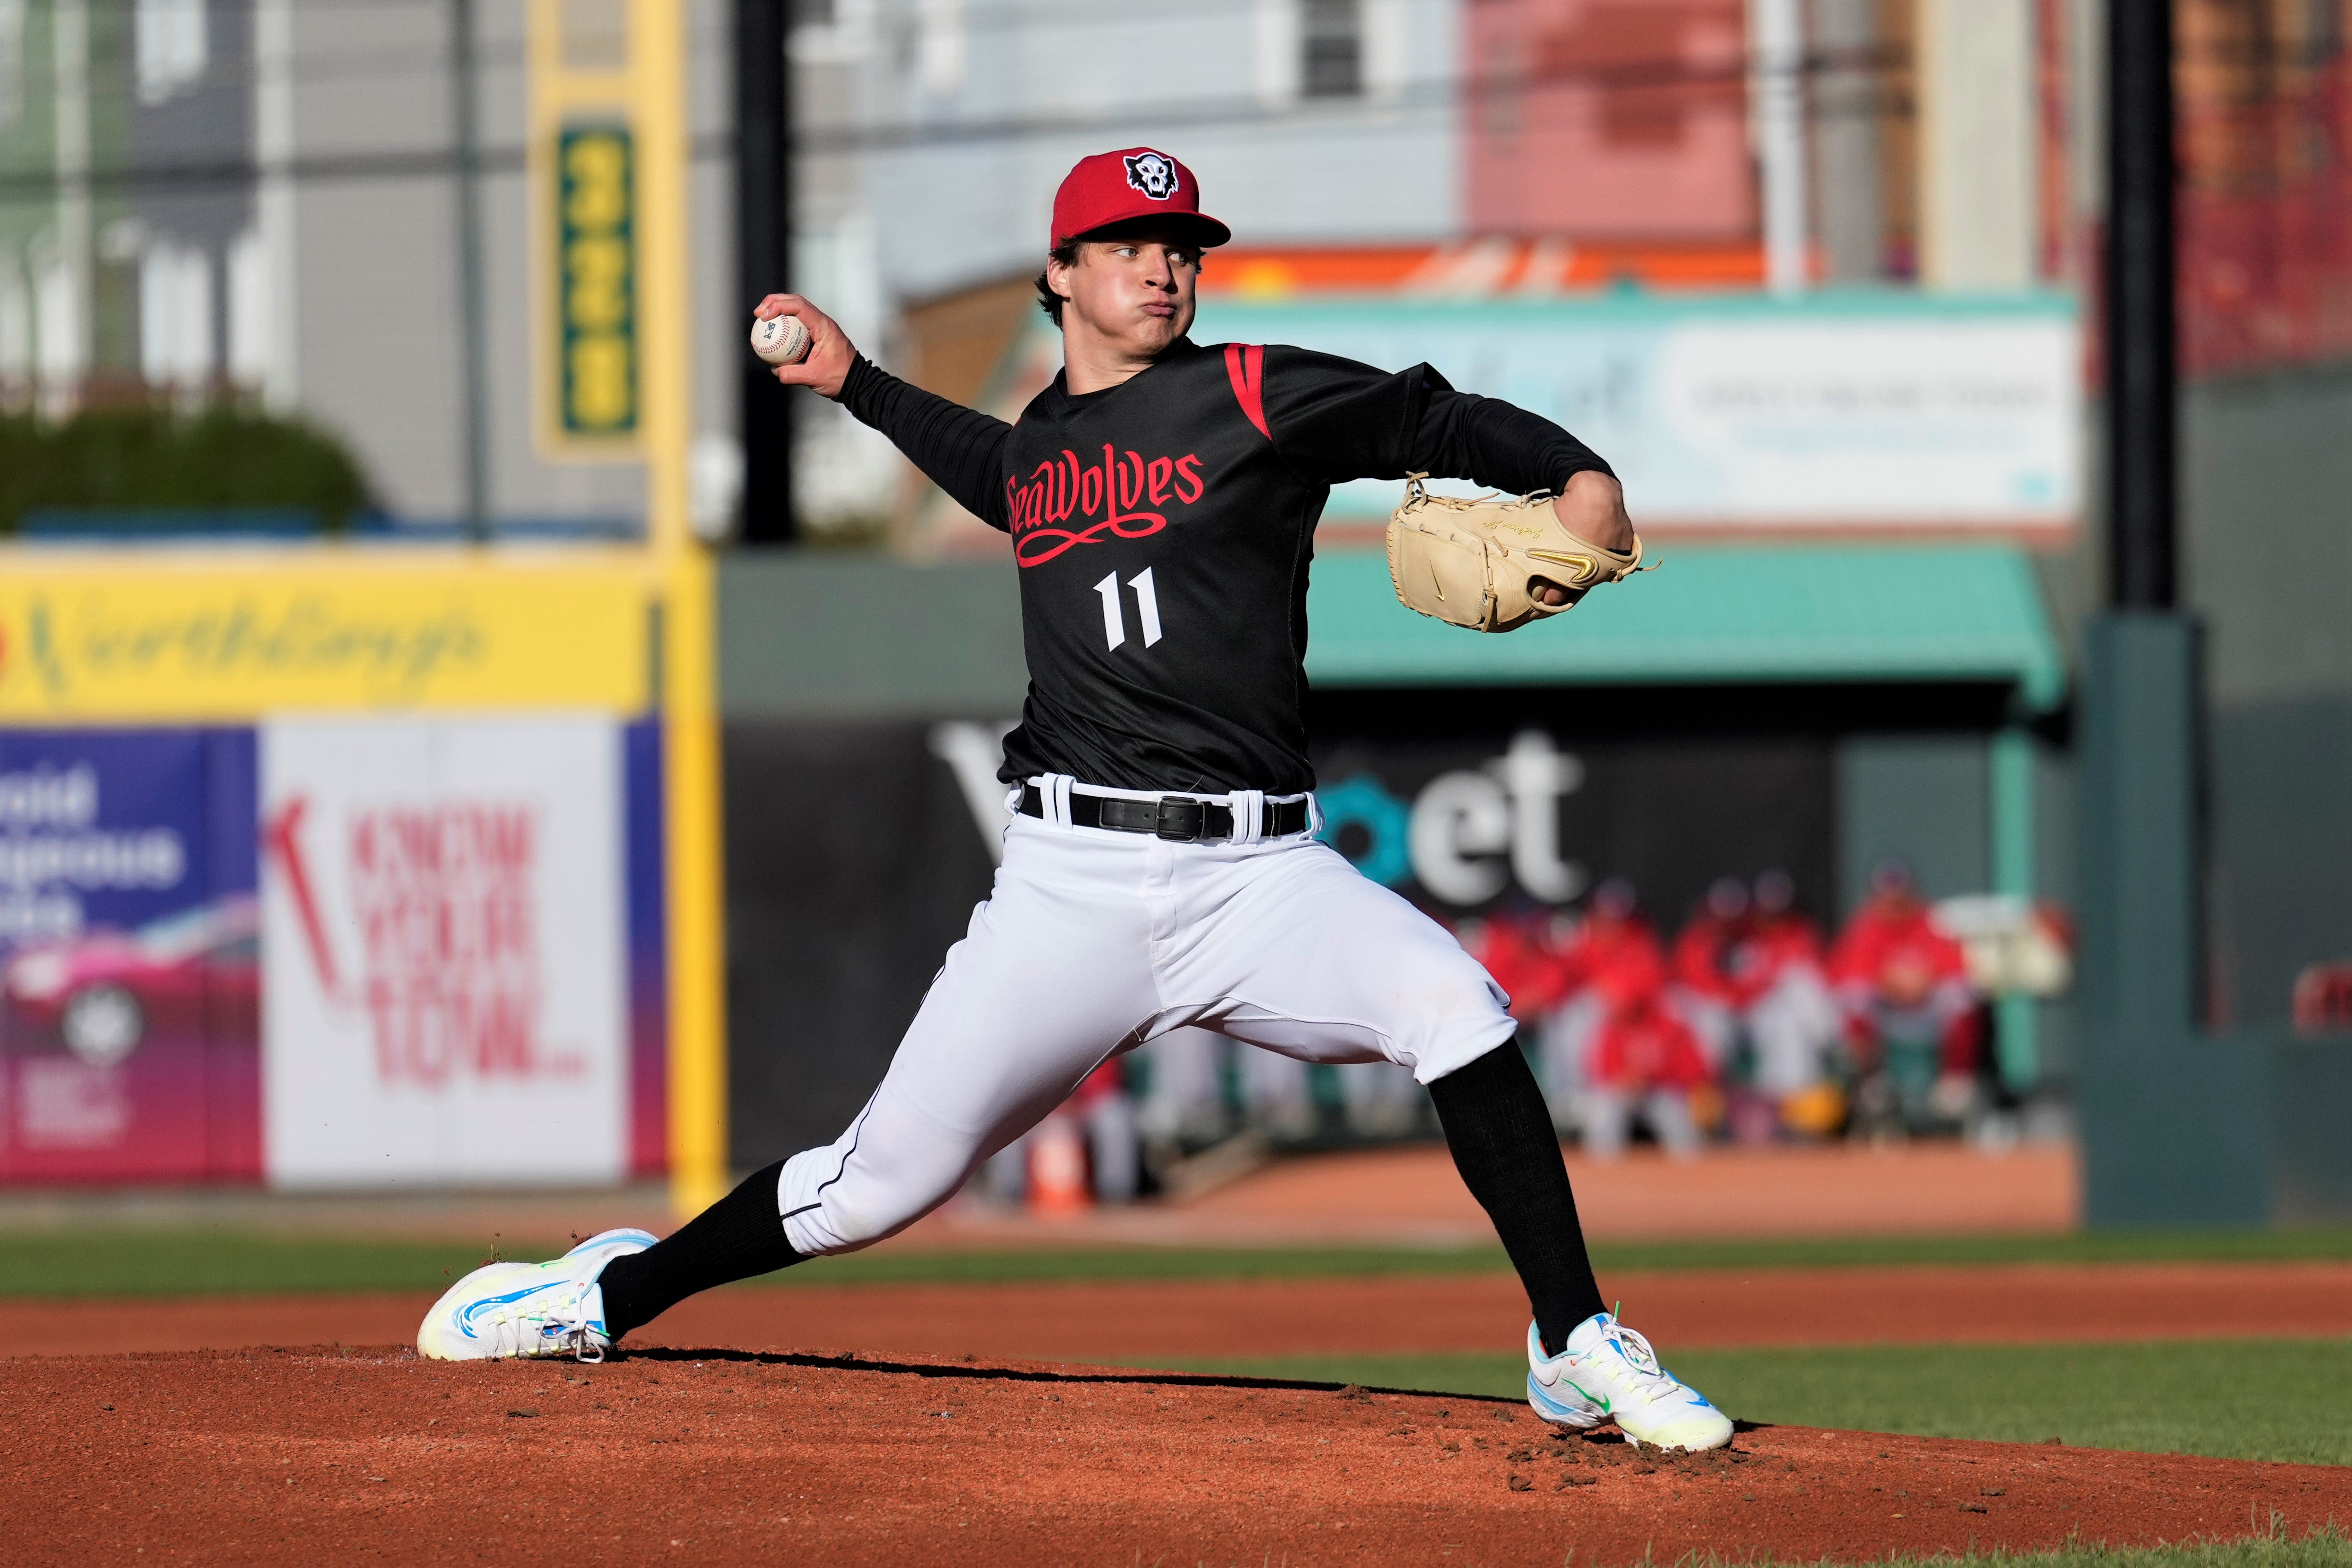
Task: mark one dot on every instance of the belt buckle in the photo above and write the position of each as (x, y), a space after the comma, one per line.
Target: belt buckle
(1182, 821)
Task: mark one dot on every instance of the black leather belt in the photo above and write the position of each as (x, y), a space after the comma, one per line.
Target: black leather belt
(1170, 817)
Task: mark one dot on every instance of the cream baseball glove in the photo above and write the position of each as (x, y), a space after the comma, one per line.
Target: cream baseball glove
(1476, 563)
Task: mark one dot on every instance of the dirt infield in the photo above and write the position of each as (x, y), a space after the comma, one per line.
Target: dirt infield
(1412, 1195)
(727, 1456)
(1182, 1320)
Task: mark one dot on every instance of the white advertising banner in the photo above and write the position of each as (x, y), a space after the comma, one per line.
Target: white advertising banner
(1879, 411)
(443, 908)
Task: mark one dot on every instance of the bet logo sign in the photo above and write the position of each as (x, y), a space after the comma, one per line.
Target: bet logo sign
(1469, 834)
(1465, 837)
(1153, 173)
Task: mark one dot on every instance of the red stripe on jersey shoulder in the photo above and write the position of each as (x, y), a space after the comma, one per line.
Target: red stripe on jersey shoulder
(1245, 368)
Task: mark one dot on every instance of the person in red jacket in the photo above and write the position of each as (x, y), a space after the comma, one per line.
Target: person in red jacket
(1523, 950)
(1786, 933)
(1712, 961)
(1528, 953)
(1633, 1054)
(1792, 1019)
(1614, 950)
(1910, 1015)
(1748, 980)
(1644, 1060)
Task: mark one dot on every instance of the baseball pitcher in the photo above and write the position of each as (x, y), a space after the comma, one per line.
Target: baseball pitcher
(1160, 870)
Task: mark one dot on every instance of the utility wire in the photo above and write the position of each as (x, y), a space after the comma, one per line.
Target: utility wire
(384, 62)
(1235, 111)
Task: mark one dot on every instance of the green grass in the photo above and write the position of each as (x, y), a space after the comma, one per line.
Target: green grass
(2099, 1247)
(2239, 1399)
(110, 1262)
(187, 1263)
(887, 1266)
(2327, 1547)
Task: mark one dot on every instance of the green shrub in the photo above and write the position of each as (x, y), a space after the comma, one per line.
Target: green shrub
(225, 457)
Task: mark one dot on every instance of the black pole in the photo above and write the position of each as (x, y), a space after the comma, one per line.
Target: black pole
(472, 312)
(763, 204)
(2142, 454)
(2172, 1126)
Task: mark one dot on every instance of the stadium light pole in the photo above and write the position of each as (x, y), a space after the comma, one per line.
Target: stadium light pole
(763, 209)
(2143, 477)
(2172, 1119)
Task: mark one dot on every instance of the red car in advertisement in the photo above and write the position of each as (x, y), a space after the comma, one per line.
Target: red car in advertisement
(102, 994)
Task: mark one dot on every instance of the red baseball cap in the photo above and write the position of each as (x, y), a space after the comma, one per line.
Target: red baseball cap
(1133, 183)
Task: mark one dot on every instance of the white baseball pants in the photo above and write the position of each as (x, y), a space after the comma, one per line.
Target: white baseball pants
(1093, 941)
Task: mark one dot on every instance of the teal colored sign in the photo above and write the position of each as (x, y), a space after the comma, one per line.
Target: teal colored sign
(1880, 410)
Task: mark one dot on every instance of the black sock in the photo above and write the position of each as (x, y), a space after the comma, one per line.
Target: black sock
(740, 1235)
(1500, 1135)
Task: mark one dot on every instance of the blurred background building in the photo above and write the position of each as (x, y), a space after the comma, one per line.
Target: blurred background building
(1819, 274)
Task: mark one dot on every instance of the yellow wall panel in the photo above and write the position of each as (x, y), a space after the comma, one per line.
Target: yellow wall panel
(117, 640)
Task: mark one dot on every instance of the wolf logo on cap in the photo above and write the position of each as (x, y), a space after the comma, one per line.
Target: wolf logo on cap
(1153, 174)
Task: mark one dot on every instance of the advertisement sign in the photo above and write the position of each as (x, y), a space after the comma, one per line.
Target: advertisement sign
(596, 283)
(443, 901)
(1463, 824)
(1466, 822)
(1873, 411)
(129, 956)
(82, 637)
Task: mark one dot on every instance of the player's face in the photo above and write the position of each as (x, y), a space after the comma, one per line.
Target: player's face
(1135, 289)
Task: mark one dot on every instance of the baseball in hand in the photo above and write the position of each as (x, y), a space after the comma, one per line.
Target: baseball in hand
(780, 339)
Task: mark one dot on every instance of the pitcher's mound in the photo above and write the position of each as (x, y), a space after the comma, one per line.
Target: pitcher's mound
(723, 1456)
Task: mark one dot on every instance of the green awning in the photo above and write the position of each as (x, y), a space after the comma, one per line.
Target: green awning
(1715, 615)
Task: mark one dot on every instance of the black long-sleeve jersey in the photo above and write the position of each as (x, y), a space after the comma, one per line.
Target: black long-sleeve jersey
(1163, 529)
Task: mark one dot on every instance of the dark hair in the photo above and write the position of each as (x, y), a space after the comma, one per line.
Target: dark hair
(1067, 253)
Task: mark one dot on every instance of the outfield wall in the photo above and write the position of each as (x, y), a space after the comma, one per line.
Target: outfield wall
(864, 701)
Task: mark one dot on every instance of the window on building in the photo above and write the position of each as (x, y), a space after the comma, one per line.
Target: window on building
(176, 316)
(1331, 48)
(172, 47)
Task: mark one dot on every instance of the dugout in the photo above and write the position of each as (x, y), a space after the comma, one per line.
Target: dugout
(1809, 707)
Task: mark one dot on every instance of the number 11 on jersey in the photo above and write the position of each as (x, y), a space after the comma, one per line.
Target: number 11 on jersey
(1147, 608)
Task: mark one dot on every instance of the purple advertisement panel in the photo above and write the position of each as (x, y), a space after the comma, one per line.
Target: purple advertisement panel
(648, 950)
(129, 956)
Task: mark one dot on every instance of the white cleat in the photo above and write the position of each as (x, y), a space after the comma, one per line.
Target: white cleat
(1608, 1372)
(528, 1308)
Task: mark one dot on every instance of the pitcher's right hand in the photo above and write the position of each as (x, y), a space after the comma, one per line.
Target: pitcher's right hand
(830, 353)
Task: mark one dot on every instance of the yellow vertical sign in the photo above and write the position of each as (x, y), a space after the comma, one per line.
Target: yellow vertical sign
(587, 121)
(599, 67)
(596, 280)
